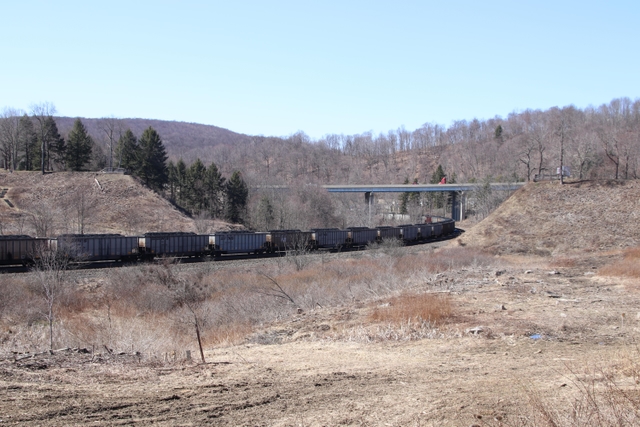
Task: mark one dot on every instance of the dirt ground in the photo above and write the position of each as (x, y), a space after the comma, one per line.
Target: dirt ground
(536, 324)
(518, 329)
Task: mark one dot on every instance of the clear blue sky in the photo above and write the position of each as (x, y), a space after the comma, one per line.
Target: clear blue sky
(276, 67)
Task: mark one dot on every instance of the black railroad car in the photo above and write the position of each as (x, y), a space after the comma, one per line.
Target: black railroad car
(428, 231)
(410, 232)
(235, 242)
(448, 227)
(362, 236)
(177, 244)
(286, 240)
(20, 249)
(386, 233)
(329, 238)
(98, 247)
(437, 229)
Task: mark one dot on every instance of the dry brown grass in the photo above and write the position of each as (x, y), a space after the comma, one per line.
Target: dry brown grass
(445, 259)
(112, 311)
(563, 262)
(231, 333)
(409, 308)
(604, 395)
(628, 266)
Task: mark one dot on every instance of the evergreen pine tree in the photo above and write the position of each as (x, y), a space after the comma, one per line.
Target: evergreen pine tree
(214, 190)
(498, 134)
(56, 146)
(404, 199)
(195, 183)
(181, 177)
(172, 172)
(152, 168)
(266, 216)
(79, 147)
(237, 194)
(128, 152)
(437, 176)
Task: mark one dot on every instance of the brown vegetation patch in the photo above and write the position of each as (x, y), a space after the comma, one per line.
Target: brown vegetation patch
(411, 308)
(628, 266)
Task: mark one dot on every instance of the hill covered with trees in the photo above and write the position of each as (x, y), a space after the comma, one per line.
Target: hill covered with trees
(594, 143)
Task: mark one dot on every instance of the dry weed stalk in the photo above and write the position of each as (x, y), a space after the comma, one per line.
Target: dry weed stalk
(602, 396)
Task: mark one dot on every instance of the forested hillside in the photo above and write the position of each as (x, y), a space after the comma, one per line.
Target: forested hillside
(598, 142)
(594, 143)
(186, 140)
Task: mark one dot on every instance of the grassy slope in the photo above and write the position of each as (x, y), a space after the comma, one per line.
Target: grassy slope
(119, 205)
(548, 219)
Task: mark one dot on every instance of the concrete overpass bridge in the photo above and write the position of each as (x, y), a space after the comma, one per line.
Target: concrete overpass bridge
(456, 191)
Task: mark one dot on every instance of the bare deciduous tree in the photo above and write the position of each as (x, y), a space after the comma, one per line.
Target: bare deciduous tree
(10, 137)
(190, 293)
(50, 271)
(42, 218)
(112, 128)
(40, 113)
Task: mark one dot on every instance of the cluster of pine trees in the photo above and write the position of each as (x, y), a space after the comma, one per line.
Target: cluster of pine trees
(200, 190)
(145, 157)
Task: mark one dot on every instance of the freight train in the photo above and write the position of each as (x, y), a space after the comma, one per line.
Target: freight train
(24, 250)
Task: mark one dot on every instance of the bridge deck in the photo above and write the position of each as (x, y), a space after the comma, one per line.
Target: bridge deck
(403, 188)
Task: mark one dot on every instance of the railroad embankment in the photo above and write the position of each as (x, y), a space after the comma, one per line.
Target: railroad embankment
(89, 202)
(549, 219)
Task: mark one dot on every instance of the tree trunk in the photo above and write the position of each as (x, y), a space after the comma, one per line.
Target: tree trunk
(200, 342)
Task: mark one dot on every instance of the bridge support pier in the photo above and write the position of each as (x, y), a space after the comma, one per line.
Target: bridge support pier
(369, 198)
(457, 205)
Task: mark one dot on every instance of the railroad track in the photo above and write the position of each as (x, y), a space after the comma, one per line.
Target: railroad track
(98, 265)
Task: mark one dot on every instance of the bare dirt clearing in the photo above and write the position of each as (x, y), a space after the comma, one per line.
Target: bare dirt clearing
(523, 326)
